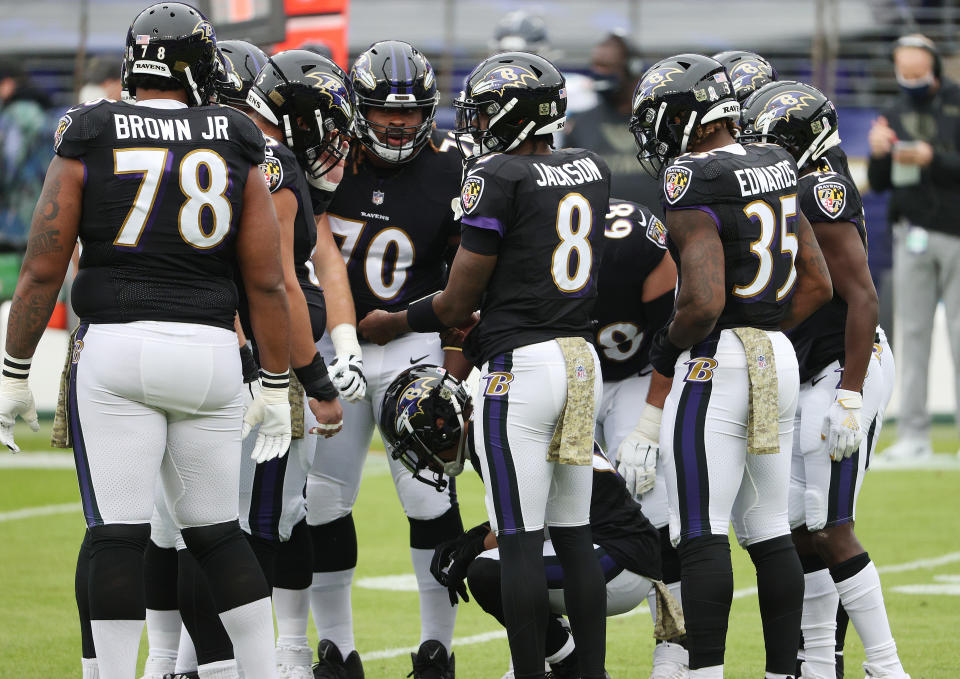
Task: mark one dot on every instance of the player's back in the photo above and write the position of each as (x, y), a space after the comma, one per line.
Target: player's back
(162, 203)
(750, 192)
(548, 210)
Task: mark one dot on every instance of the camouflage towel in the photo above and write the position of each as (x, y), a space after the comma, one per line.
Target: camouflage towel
(572, 441)
(296, 396)
(670, 624)
(60, 437)
(763, 411)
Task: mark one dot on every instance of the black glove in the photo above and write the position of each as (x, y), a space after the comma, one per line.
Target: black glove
(664, 353)
(452, 558)
(316, 380)
(251, 371)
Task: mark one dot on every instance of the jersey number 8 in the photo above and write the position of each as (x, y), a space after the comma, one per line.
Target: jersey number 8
(573, 240)
(151, 164)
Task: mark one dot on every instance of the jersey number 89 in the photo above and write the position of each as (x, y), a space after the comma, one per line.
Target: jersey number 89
(151, 164)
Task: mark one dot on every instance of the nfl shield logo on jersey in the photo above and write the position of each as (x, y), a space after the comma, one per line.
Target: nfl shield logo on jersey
(675, 182)
(831, 197)
(471, 192)
(377, 198)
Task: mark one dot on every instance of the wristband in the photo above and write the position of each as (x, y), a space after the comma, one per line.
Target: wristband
(17, 368)
(320, 200)
(422, 318)
(248, 364)
(649, 423)
(271, 380)
(316, 380)
(344, 338)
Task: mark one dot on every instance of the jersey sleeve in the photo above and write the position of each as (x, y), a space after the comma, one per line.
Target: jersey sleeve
(279, 166)
(653, 245)
(485, 199)
(687, 185)
(829, 197)
(78, 127)
(247, 136)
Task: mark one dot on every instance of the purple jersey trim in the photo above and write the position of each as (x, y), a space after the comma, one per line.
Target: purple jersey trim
(491, 223)
(702, 208)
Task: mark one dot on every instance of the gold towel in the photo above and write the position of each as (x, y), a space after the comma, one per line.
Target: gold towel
(572, 441)
(670, 624)
(60, 437)
(763, 410)
(296, 394)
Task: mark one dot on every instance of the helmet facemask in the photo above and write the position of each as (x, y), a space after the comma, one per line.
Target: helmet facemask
(377, 137)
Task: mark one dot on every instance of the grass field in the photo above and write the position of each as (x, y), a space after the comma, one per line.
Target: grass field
(909, 522)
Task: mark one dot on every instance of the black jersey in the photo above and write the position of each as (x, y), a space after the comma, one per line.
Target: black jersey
(826, 197)
(393, 226)
(835, 160)
(750, 191)
(162, 203)
(636, 244)
(619, 525)
(547, 211)
(282, 171)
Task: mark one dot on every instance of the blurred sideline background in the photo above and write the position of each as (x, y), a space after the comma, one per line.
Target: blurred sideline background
(61, 52)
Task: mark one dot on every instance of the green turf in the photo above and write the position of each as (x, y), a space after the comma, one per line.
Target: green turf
(904, 516)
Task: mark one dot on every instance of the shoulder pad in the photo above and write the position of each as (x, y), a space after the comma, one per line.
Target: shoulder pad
(79, 125)
(248, 135)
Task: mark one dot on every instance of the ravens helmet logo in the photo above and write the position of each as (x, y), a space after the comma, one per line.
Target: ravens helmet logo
(335, 91)
(750, 73)
(411, 400)
(781, 106)
(205, 29)
(500, 78)
(653, 82)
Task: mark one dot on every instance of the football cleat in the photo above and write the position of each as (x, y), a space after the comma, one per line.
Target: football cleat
(331, 665)
(669, 661)
(877, 672)
(431, 662)
(568, 668)
(182, 675)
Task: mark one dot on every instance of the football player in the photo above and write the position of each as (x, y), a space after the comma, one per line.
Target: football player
(391, 217)
(841, 392)
(169, 200)
(530, 252)
(748, 265)
(635, 298)
(425, 418)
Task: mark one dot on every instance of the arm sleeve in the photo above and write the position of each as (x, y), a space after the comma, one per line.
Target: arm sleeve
(480, 241)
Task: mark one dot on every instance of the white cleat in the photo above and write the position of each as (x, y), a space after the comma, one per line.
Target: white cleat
(670, 661)
(877, 672)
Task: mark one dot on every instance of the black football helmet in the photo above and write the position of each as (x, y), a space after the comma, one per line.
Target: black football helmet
(308, 97)
(423, 416)
(521, 94)
(673, 97)
(520, 31)
(797, 116)
(393, 74)
(241, 62)
(748, 71)
(172, 40)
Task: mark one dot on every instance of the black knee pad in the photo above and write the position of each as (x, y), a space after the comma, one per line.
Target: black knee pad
(761, 551)
(160, 577)
(334, 545)
(811, 563)
(116, 571)
(483, 577)
(669, 558)
(232, 570)
(265, 549)
(428, 533)
(292, 567)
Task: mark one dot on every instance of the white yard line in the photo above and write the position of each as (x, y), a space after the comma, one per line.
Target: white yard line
(45, 510)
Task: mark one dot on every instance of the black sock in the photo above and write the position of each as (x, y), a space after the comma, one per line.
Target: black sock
(780, 591)
(334, 545)
(669, 557)
(199, 613)
(115, 584)
(160, 578)
(706, 587)
(81, 590)
(232, 571)
(293, 563)
(585, 596)
(843, 622)
(428, 533)
(265, 550)
(525, 603)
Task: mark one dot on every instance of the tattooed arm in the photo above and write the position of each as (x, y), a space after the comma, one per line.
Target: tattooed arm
(814, 287)
(53, 235)
(702, 293)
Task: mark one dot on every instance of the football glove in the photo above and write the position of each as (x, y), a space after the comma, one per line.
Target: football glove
(452, 558)
(15, 399)
(346, 369)
(271, 410)
(841, 425)
(638, 452)
(664, 353)
(315, 164)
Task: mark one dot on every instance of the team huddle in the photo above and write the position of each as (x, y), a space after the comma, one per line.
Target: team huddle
(278, 257)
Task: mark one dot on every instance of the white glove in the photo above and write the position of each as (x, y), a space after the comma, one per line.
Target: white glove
(638, 452)
(841, 425)
(15, 399)
(330, 180)
(346, 369)
(271, 410)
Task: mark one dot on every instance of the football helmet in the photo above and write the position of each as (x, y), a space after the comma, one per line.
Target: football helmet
(797, 116)
(520, 94)
(423, 419)
(172, 40)
(241, 62)
(520, 31)
(308, 97)
(672, 98)
(393, 74)
(748, 71)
